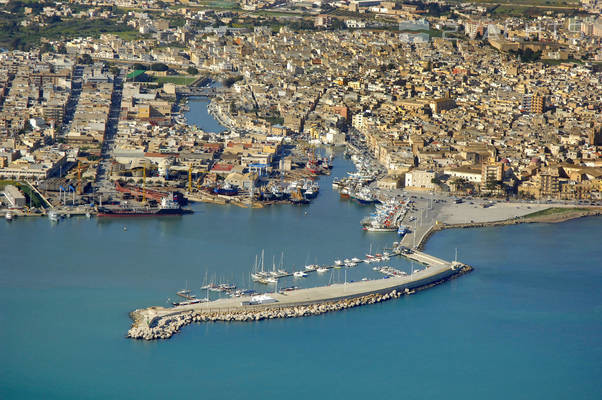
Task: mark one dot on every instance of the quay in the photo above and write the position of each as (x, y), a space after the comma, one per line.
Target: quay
(161, 323)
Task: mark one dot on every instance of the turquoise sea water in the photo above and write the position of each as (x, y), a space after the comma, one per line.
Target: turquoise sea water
(526, 324)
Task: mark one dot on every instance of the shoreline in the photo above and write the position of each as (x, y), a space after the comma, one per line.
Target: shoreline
(162, 323)
(542, 219)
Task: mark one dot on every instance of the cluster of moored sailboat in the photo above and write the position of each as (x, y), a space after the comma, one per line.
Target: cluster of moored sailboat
(261, 275)
(227, 288)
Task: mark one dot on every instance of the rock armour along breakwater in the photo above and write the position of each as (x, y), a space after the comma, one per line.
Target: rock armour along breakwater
(166, 326)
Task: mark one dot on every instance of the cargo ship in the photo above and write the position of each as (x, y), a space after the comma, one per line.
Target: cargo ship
(167, 207)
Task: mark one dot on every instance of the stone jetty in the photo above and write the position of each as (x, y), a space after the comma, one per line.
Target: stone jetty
(153, 323)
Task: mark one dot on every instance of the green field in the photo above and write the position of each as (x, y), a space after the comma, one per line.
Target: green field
(177, 79)
(15, 36)
(554, 211)
(538, 3)
(130, 35)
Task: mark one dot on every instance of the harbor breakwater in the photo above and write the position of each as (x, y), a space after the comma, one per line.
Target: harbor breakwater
(165, 326)
(551, 219)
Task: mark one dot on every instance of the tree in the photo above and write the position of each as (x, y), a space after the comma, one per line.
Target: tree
(139, 66)
(159, 67)
(114, 70)
(45, 48)
(192, 71)
(232, 80)
(85, 59)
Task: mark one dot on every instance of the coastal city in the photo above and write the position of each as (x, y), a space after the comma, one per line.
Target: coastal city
(268, 159)
(95, 117)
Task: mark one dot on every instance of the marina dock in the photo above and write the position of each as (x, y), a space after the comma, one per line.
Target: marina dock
(162, 323)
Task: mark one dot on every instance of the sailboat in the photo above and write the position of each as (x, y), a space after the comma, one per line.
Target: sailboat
(190, 298)
(281, 270)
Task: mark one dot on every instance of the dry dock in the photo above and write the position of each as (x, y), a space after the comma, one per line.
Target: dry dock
(161, 323)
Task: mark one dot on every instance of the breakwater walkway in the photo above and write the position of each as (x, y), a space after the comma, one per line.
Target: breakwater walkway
(161, 323)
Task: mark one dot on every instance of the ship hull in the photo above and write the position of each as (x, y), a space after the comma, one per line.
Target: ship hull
(140, 213)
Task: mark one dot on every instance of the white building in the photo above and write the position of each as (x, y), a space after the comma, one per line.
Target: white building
(420, 179)
(469, 174)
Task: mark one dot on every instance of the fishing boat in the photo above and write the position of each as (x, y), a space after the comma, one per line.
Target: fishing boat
(371, 228)
(402, 230)
(310, 193)
(296, 197)
(53, 216)
(226, 190)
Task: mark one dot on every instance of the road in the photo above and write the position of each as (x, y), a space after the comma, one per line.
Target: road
(102, 184)
(76, 90)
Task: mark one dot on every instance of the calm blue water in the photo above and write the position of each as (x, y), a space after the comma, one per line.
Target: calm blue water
(526, 324)
(199, 116)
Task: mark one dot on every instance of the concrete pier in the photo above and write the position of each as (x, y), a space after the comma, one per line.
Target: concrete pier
(161, 323)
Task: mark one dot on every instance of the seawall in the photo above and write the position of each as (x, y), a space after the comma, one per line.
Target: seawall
(161, 323)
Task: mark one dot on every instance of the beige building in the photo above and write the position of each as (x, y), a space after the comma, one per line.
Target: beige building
(467, 173)
(14, 196)
(420, 179)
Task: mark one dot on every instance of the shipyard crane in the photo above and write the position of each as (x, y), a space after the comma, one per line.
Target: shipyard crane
(190, 178)
(79, 178)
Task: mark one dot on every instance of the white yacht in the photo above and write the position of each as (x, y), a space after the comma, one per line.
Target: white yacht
(9, 216)
(299, 274)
